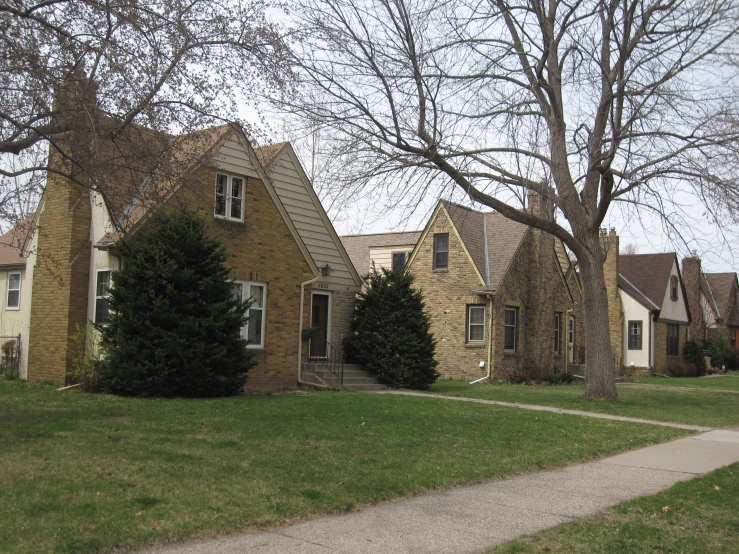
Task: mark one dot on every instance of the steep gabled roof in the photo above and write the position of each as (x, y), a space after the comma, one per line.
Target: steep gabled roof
(12, 242)
(358, 246)
(719, 287)
(478, 230)
(646, 277)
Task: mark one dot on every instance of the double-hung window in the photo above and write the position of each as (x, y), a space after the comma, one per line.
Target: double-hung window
(557, 332)
(229, 197)
(511, 329)
(673, 288)
(399, 260)
(475, 323)
(673, 339)
(441, 251)
(256, 293)
(14, 291)
(102, 297)
(635, 335)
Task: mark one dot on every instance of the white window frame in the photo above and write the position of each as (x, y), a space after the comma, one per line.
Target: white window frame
(95, 305)
(227, 198)
(470, 324)
(7, 294)
(513, 309)
(246, 286)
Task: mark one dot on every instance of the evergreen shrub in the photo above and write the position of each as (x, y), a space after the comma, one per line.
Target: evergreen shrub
(693, 354)
(175, 325)
(391, 335)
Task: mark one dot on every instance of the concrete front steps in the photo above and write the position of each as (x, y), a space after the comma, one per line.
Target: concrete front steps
(355, 378)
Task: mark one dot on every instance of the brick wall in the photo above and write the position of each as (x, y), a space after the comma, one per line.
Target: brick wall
(261, 249)
(60, 278)
(447, 293)
(610, 244)
(691, 280)
(342, 314)
(661, 359)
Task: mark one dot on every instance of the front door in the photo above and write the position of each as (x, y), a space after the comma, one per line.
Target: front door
(571, 340)
(319, 318)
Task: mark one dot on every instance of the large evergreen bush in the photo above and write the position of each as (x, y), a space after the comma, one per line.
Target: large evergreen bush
(720, 349)
(175, 326)
(390, 332)
(693, 353)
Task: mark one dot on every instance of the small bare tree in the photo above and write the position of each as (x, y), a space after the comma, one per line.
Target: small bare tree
(110, 70)
(586, 102)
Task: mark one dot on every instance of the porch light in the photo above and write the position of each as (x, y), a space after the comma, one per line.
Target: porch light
(326, 270)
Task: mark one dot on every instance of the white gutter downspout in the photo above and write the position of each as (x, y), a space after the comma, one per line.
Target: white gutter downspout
(300, 324)
(488, 303)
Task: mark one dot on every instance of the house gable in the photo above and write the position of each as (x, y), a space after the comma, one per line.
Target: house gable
(310, 219)
(675, 311)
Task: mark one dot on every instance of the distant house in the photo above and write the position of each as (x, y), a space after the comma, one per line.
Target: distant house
(502, 296)
(655, 312)
(383, 250)
(259, 202)
(714, 301)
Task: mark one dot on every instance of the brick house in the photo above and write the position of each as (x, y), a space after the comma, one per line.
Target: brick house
(655, 313)
(259, 202)
(713, 300)
(502, 296)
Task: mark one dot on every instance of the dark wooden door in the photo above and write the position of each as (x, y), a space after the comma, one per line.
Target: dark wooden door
(319, 318)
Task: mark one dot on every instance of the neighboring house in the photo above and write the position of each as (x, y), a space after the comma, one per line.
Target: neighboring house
(282, 247)
(655, 311)
(502, 296)
(384, 250)
(714, 301)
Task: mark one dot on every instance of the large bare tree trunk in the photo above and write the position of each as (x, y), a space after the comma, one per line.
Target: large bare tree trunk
(599, 369)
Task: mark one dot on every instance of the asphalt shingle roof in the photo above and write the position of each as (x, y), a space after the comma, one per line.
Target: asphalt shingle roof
(646, 277)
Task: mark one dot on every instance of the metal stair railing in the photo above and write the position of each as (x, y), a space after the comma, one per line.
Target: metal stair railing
(333, 360)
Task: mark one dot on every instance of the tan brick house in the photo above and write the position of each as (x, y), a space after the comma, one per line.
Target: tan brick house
(655, 312)
(714, 301)
(502, 296)
(259, 202)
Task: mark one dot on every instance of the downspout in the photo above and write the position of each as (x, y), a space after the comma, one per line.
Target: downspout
(488, 303)
(300, 325)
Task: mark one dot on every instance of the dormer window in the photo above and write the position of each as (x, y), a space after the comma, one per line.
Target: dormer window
(229, 197)
(673, 288)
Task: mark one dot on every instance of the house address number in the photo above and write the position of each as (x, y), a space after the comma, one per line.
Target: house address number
(322, 285)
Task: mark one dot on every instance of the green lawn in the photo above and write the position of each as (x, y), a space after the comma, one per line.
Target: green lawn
(86, 473)
(700, 516)
(697, 407)
(722, 382)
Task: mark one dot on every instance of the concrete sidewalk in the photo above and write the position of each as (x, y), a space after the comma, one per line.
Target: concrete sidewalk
(552, 409)
(472, 519)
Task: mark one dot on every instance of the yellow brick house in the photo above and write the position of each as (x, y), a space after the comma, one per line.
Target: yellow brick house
(259, 202)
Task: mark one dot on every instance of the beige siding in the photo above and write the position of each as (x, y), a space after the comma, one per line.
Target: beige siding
(232, 158)
(674, 310)
(383, 256)
(309, 219)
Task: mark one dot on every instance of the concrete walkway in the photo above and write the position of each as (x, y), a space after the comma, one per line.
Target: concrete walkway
(474, 518)
(552, 409)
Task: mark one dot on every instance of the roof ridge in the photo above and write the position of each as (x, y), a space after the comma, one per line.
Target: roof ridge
(443, 200)
(377, 234)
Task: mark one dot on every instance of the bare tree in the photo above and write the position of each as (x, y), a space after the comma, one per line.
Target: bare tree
(100, 69)
(586, 102)
(628, 249)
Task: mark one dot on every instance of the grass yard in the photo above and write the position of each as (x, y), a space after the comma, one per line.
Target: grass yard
(86, 473)
(697, 407)
(700, 516)
(721, 382)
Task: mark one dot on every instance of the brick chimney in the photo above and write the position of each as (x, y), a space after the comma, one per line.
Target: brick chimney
(609, 243)
(539, 205)
(691, 271)
(62, 272)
